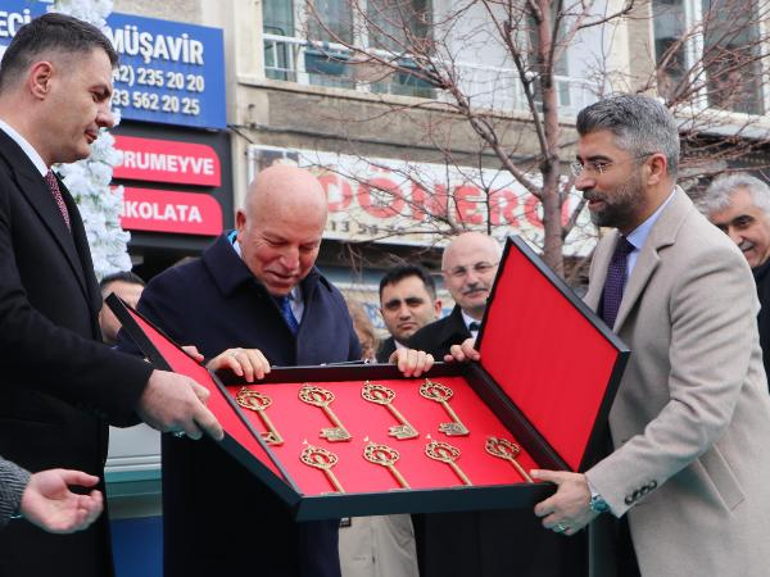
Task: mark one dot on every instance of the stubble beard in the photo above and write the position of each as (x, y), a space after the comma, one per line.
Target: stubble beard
(621, 208)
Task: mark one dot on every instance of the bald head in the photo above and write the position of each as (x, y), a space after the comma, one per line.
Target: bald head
(469, 265)
(280, 229)
(282, 190)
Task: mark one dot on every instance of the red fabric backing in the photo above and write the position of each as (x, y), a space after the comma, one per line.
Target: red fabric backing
(548, 358)
(300, 424)
(181, 363)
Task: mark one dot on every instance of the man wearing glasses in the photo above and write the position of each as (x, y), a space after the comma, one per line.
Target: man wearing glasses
(469, 265)
(478, 543)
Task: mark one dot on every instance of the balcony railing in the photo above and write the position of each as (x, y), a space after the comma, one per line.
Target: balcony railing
(326, 64)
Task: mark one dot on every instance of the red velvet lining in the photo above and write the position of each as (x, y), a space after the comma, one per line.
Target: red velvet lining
(181, 363)
(300, 424)
(548, 358)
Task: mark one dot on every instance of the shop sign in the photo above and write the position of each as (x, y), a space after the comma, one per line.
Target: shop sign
(167, 211)
(172, 161)
(414, 203)
(169, 72)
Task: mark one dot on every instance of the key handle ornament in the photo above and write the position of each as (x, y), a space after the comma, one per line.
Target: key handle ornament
(259, 402)
(382, 395)
(441, 394)
(316, 396)
(323, 459)
(381, 455)
(508, 450)
(376, 393)
(386, 457)
(446, 453)
(320, 397)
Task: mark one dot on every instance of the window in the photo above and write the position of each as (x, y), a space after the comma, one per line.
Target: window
(708, 50)
(278, 21)
(730, 49)
(314, 51)
(560, 66)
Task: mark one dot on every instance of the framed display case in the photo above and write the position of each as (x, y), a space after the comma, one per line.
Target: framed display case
(353, 440)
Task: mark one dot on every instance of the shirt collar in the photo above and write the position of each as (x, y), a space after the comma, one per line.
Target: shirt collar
(24, 144)
(639, 235)
(467, 319)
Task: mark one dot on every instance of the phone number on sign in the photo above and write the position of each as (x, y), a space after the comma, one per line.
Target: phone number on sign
(156, 102)
(168, 79)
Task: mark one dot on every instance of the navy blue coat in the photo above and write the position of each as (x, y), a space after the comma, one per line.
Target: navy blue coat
(215, 303)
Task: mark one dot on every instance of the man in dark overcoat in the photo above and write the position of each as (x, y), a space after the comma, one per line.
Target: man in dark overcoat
(257, 295)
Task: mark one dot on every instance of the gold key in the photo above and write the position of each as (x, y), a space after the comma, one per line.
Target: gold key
(259, 402)
(382, 395)
(446, 453)
(322, 459)
(441, 394)
(322, 398)
(508, 450)
(386, 457)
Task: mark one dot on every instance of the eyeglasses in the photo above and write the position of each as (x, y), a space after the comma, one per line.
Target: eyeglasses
(481, 267)
(601, 166)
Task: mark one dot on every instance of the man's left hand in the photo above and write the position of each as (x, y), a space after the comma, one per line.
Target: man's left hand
(569, 509)
(411, 363)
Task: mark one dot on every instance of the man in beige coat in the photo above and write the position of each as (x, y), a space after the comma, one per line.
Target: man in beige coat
(686, 481)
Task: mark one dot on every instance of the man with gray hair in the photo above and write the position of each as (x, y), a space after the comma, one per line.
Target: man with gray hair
(683, 490)
(739, 206)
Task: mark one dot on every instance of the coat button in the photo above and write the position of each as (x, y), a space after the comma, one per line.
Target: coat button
(629, 500)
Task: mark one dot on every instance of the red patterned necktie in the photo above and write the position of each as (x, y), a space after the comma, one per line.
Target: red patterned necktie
(53, 185)
(616, 281)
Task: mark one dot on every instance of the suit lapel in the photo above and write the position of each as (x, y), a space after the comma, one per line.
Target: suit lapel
(83, 250)
(663, 234)
(32, 186)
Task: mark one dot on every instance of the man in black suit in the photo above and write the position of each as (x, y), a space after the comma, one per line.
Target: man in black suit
(407, 303)
(469, 265)
(61, 386)
(488, 543)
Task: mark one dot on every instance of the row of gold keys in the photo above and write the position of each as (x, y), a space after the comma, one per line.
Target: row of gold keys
(387, 457)
(372, 392)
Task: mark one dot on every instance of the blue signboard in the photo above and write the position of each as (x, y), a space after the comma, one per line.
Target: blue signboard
(169, 72)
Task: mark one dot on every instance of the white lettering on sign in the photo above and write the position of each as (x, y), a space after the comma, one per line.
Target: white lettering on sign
(161, 211)
(129, 40)
(168, 162)
(10, 22)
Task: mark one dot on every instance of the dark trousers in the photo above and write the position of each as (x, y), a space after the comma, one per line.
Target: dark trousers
(505, 543)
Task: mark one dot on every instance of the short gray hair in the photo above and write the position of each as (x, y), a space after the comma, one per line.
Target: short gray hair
(719, 194)
(641, 125)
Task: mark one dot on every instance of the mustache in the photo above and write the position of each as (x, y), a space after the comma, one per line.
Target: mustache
(475, 289)
(591, 195)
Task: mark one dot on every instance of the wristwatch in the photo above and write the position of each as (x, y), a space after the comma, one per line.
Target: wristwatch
(598, 504)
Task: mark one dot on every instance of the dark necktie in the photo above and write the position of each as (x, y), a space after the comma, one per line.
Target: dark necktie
(284, 303)
(53, 186)
(474, 326)
(615, 281)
